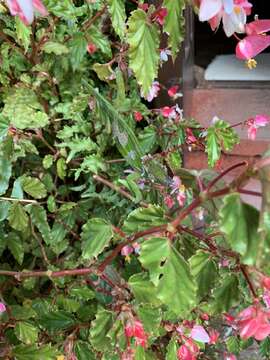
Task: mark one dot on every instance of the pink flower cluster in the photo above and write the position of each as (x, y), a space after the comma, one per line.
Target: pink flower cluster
(255, 123)
(134, 329)
(189, 350)
(233, 15)
(25, 9)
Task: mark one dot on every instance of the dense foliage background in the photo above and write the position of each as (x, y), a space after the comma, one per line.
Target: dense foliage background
(109, 249)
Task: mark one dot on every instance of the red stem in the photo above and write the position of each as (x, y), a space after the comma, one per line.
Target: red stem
(249, 192)
(225, 172)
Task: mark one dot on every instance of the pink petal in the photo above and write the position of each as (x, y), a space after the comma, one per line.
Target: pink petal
(249, 328)
(13, 6)
(27, 10)
(261, 120)
(252, 132)
(258, 27)
(2, 307)
(215, 21)
(262, 332)
(199, 334)
(251, 46)
(40, 7)
(127, 250)
(209, 9)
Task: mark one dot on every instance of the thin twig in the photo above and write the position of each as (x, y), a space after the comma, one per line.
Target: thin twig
(246, 276)
(26, 201)
(43, 252)
(118, 189)
(224, 173)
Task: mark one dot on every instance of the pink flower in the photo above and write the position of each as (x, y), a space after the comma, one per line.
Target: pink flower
(173, 90)
(190, 138)
(181, 197)
(160, 15)
(25, 9)
(128, 354)
(144, 7)
(168, 112)
(153, 92)
(204, 316)
(137, 116)
(198, 333)
(91, 48)
(2, 308)
(233, 14)
(253, 322)
(214, 336)
(266, 282)
(169, 202)
(255, 123)
(266, 299)
(251, 46)
(127, 250)
(184, 353)
(134, 328)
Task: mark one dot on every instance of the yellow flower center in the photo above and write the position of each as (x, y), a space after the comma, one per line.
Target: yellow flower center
(237, 10)
(251, 64)
(60, 357)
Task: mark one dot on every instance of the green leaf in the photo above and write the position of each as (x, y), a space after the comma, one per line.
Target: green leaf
(170, 273)
(118, 16)
(103, 71)
(4, 209)
(219, 136)
(17, 191)
(91, 163)
(100, 328)
(233, 345)
(15, 245)
(265, 348)
(151, 318)
(47, 161)
(23, 33)
(96, 235)
(34, 187)
(54, 47)
(100, 40)
(82, 292)
(39, 219)
(5, 174)
(23, 109)
(78, 49)
(126, 139)
(144, 218)
(83, 351)
(174, 23)
(227, 294)
(239, 222)
(61, 168)
(55, 321)
(148, 139)
(27, 352)
(17, 217)
(172, 350)
(143, 40)
(204, 270)
(143, 289)
(26, 332)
